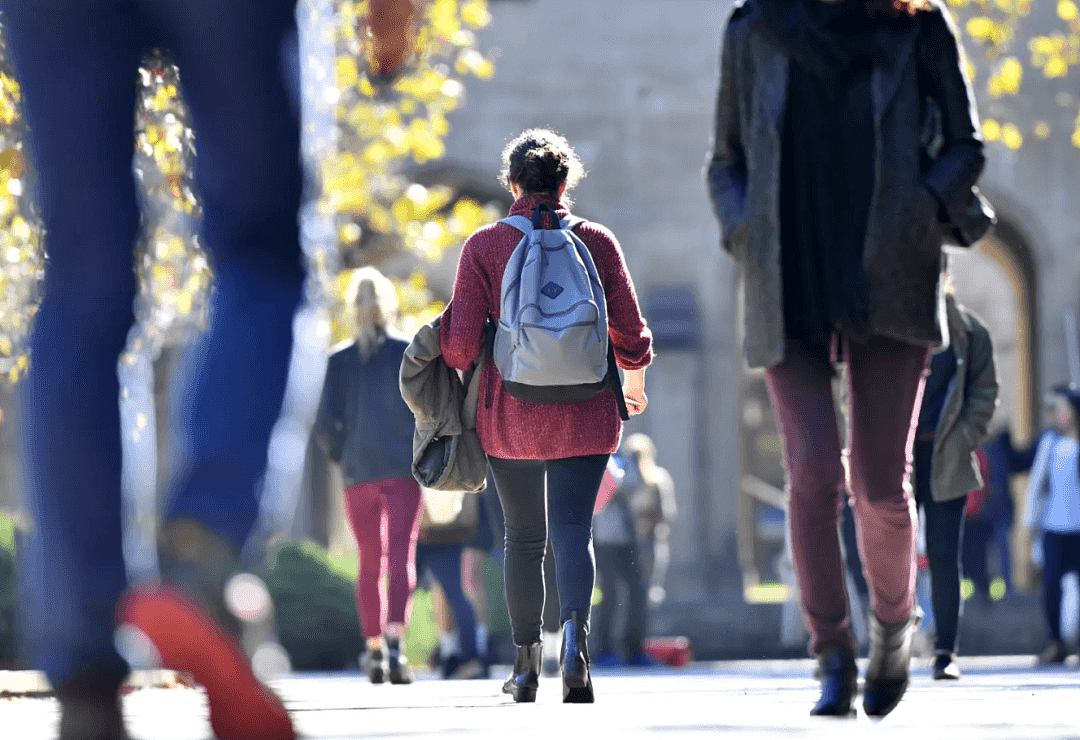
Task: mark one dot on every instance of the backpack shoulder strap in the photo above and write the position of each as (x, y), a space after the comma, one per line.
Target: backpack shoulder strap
(570, 223)
(522, 224)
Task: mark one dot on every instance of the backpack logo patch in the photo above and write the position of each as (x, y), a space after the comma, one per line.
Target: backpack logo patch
(551, 290)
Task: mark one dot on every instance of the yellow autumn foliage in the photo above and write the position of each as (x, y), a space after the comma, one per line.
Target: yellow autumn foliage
(993, 26)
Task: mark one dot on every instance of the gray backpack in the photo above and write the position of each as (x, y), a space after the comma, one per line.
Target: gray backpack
(551, 342)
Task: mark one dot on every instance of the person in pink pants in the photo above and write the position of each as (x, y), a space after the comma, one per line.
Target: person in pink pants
(368, 429)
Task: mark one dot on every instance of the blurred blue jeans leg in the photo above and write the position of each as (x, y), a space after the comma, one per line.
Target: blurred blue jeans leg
(77, 71)
(444, 562)
(249, 176)
(76, 61)
(1003, 550)
(922, 594)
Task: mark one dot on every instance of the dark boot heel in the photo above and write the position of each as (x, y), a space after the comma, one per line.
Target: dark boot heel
(525, 694)
(373, 663)
(525, 679)
(574, 661)
(839, 683)
(398, 671)
(890, 663)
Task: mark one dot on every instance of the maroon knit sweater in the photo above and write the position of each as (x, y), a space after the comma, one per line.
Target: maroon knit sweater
(519, 430)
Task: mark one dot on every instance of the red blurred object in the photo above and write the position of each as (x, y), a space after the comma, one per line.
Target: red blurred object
(608, 486)
(922, 562)
(672, 651)
(976, 500)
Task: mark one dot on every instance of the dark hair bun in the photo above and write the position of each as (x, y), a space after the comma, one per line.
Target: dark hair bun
(540, 161)
(539, 169)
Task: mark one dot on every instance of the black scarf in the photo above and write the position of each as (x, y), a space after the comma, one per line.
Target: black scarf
(827, 164)
(825, 38)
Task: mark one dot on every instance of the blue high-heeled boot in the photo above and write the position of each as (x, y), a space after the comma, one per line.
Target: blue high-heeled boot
(839, 682)
(574, 661)
(525, 678)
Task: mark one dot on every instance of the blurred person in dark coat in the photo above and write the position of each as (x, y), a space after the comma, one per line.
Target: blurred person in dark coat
(650, 494)
(77, 63)
(619, 569)
(1003, 461)
(846, 150)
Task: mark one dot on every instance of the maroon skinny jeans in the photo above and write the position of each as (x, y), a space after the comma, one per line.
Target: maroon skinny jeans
(886, 379)
(385, 519)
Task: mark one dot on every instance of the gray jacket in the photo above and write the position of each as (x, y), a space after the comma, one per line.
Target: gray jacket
(969, 406)
(446, 448)
(902, 249)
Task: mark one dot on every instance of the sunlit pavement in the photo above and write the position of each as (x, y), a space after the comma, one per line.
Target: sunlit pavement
(996, 698)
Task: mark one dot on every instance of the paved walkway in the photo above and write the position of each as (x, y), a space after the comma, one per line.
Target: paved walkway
(998, 699)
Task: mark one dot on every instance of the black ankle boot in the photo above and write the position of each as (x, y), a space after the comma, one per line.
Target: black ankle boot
(398, 670)
(574, 661)
(890, 662)
(373, 663)
(839, 682)
(525, 679)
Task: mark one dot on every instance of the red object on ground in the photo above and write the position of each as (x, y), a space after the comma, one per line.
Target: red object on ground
(672, 651)
(608, 486)
(188, 639)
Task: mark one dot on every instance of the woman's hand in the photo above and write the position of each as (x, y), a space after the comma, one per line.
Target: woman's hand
(634, 391)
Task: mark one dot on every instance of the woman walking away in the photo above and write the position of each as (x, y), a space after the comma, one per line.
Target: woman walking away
(1053, 506)
(834, 199)
(368, 430)
(555, 447)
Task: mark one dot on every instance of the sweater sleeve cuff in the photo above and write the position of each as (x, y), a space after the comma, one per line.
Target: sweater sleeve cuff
(636, 361)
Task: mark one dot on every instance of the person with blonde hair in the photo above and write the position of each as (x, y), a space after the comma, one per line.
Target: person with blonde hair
(632, 552)
(652, 500)
(367, 429)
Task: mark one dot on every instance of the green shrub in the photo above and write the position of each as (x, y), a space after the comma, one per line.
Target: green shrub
(316, 608)
(315, 597)
(7, 592)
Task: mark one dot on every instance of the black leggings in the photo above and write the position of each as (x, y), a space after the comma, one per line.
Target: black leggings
(572, 487)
